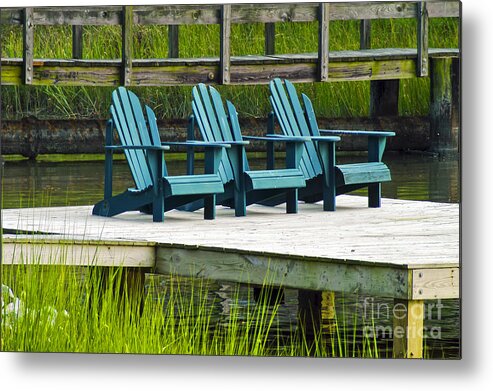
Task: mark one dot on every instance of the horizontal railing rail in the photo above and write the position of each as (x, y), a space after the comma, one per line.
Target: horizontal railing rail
(240, 13)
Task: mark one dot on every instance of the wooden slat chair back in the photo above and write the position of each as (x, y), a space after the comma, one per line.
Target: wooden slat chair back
(216, 125)
(155, 191)
(325, 178)
(220, 124)
(128, 118)
(292, 121)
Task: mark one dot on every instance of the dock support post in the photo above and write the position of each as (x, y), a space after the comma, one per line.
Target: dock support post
(384, 98)
(268, 295)
(441, 137)
(384, 94)
(310, 312)
(317, 315)
(134, 282)
(456, 101)
(132, 286)
(408, 328)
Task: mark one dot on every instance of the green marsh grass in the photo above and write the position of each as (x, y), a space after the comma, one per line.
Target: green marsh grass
(341, 99)
(79, 309)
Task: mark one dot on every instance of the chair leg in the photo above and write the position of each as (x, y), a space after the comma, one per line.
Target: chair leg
(374, 195)
(329, 198)
(240, 203)
(292, 201)
(210, 207)
(158, 209)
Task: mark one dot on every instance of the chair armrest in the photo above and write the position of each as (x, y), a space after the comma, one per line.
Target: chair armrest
(235, 142)
(279, 138)
(138, 147)
(196, 144)
(326, 139)
(358, 133)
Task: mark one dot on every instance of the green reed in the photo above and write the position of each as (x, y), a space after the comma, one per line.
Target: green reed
(59, 308)
(341, 99)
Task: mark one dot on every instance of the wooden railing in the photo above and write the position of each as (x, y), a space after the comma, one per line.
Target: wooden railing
(225, 16)
(383, 67)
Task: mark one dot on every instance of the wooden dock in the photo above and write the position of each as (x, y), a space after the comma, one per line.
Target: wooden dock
(407, 250)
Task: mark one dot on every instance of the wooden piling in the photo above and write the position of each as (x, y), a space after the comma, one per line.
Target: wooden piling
(441, 138)
(268, 295)
(131, 288)
(384, 94)
(384, 98)
(310, 312)
(456, 102)
(408, 318)
(317, 314)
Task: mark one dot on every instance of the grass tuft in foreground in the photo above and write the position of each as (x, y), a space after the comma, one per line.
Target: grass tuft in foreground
(69, 309)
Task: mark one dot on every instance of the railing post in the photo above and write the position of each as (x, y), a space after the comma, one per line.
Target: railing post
(270, 38)
(173, 41)
(225, 48)
(422, 64)
(323, 42)
(127, 45)
(365, 34)
(77, 33)
(28, 45)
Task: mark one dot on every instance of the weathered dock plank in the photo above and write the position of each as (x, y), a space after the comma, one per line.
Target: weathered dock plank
(48, 250)
(401, 234)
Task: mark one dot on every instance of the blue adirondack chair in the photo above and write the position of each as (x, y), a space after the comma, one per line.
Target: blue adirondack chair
(154, 192)
(325, 179)
(243, 186)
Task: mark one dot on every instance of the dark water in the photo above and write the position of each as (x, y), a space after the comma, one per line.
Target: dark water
(27, 183)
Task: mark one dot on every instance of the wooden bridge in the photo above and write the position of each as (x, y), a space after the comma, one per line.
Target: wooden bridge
(383, 67)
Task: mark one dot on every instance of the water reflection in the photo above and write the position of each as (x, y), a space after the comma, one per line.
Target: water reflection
(29, 183)
(421, 178)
